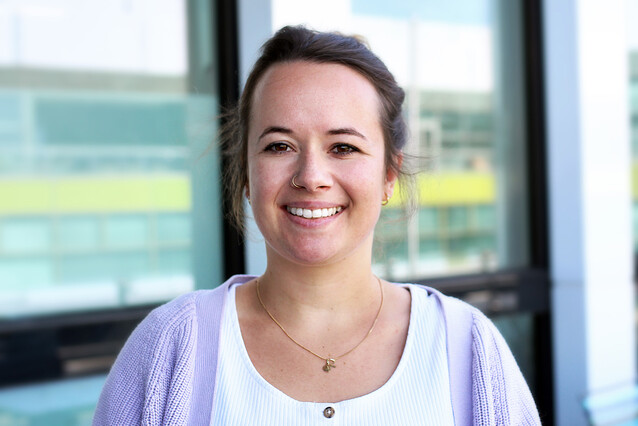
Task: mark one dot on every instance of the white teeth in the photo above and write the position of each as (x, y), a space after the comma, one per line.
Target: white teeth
(313, 214)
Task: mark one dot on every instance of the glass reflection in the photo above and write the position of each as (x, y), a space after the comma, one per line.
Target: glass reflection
(103, 113)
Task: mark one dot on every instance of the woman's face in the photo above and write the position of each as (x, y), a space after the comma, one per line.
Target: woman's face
(319, 123)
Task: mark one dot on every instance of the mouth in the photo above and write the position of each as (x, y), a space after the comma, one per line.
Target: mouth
(314, 213)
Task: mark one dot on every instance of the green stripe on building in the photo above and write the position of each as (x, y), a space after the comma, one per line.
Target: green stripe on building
(104, 194)
(448, 189)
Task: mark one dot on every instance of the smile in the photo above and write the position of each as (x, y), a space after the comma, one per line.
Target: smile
(313, 214)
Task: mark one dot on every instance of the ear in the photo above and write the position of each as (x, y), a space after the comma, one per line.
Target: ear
(247, 191)
(391, 177)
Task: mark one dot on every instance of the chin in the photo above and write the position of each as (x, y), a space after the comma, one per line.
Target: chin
(314, 261)
(319, 250)
(309, 258)
(306, 254)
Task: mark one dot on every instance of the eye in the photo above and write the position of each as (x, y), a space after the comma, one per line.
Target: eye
(344, 149)
(278, 147)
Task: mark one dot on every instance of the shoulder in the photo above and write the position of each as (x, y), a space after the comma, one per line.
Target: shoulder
(169, 316)
(173, 326)
(171, 323)
(500, 394)
(153, 374)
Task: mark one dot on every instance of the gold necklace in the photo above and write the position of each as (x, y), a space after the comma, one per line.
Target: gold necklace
(330, 361)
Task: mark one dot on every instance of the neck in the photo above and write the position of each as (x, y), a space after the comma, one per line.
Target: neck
(337, 287)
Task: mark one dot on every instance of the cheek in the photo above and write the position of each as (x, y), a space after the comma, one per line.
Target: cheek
(263, 180)
(370, 177)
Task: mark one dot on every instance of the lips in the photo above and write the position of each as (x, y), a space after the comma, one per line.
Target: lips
(313, 213)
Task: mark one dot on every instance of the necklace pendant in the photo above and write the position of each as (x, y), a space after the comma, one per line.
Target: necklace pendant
(330, 363)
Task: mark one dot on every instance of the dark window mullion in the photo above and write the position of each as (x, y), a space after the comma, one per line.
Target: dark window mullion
(227, 54)
(538, 200)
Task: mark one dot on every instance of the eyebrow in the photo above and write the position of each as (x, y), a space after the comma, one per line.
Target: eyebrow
(275, 129)
(341, 131)
(347, 131)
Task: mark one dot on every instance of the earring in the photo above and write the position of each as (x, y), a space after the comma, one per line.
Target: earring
(386, 200)
(294, 184)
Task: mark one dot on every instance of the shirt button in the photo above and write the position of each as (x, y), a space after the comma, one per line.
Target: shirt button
(328, 412)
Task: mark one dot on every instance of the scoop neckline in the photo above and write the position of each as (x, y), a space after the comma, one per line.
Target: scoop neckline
(263, 383)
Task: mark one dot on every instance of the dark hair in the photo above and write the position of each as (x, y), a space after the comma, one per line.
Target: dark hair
(298, 43)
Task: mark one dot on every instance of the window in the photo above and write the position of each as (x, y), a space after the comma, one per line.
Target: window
(465, 115)
(106, 110)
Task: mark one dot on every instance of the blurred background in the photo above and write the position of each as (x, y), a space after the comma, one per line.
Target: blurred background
(110, 199)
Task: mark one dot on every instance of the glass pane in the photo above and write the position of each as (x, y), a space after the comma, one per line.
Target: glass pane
(69, 402)
(106, 111)
(632, 33)
(632, 43)
(25, 236)
(460, 63)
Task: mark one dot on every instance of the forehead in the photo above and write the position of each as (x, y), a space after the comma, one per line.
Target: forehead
(304, 89)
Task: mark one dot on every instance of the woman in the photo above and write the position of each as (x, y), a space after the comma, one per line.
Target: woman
(316, 149)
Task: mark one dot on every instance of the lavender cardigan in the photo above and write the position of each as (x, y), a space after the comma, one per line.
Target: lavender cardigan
(165, 373)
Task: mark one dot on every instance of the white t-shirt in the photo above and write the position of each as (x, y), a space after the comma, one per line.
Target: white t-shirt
(417, 393)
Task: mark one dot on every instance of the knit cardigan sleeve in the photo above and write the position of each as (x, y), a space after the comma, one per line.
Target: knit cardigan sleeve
(151, 380)
(500, 395)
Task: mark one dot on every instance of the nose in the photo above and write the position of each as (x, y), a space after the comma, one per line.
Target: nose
(313, 171)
